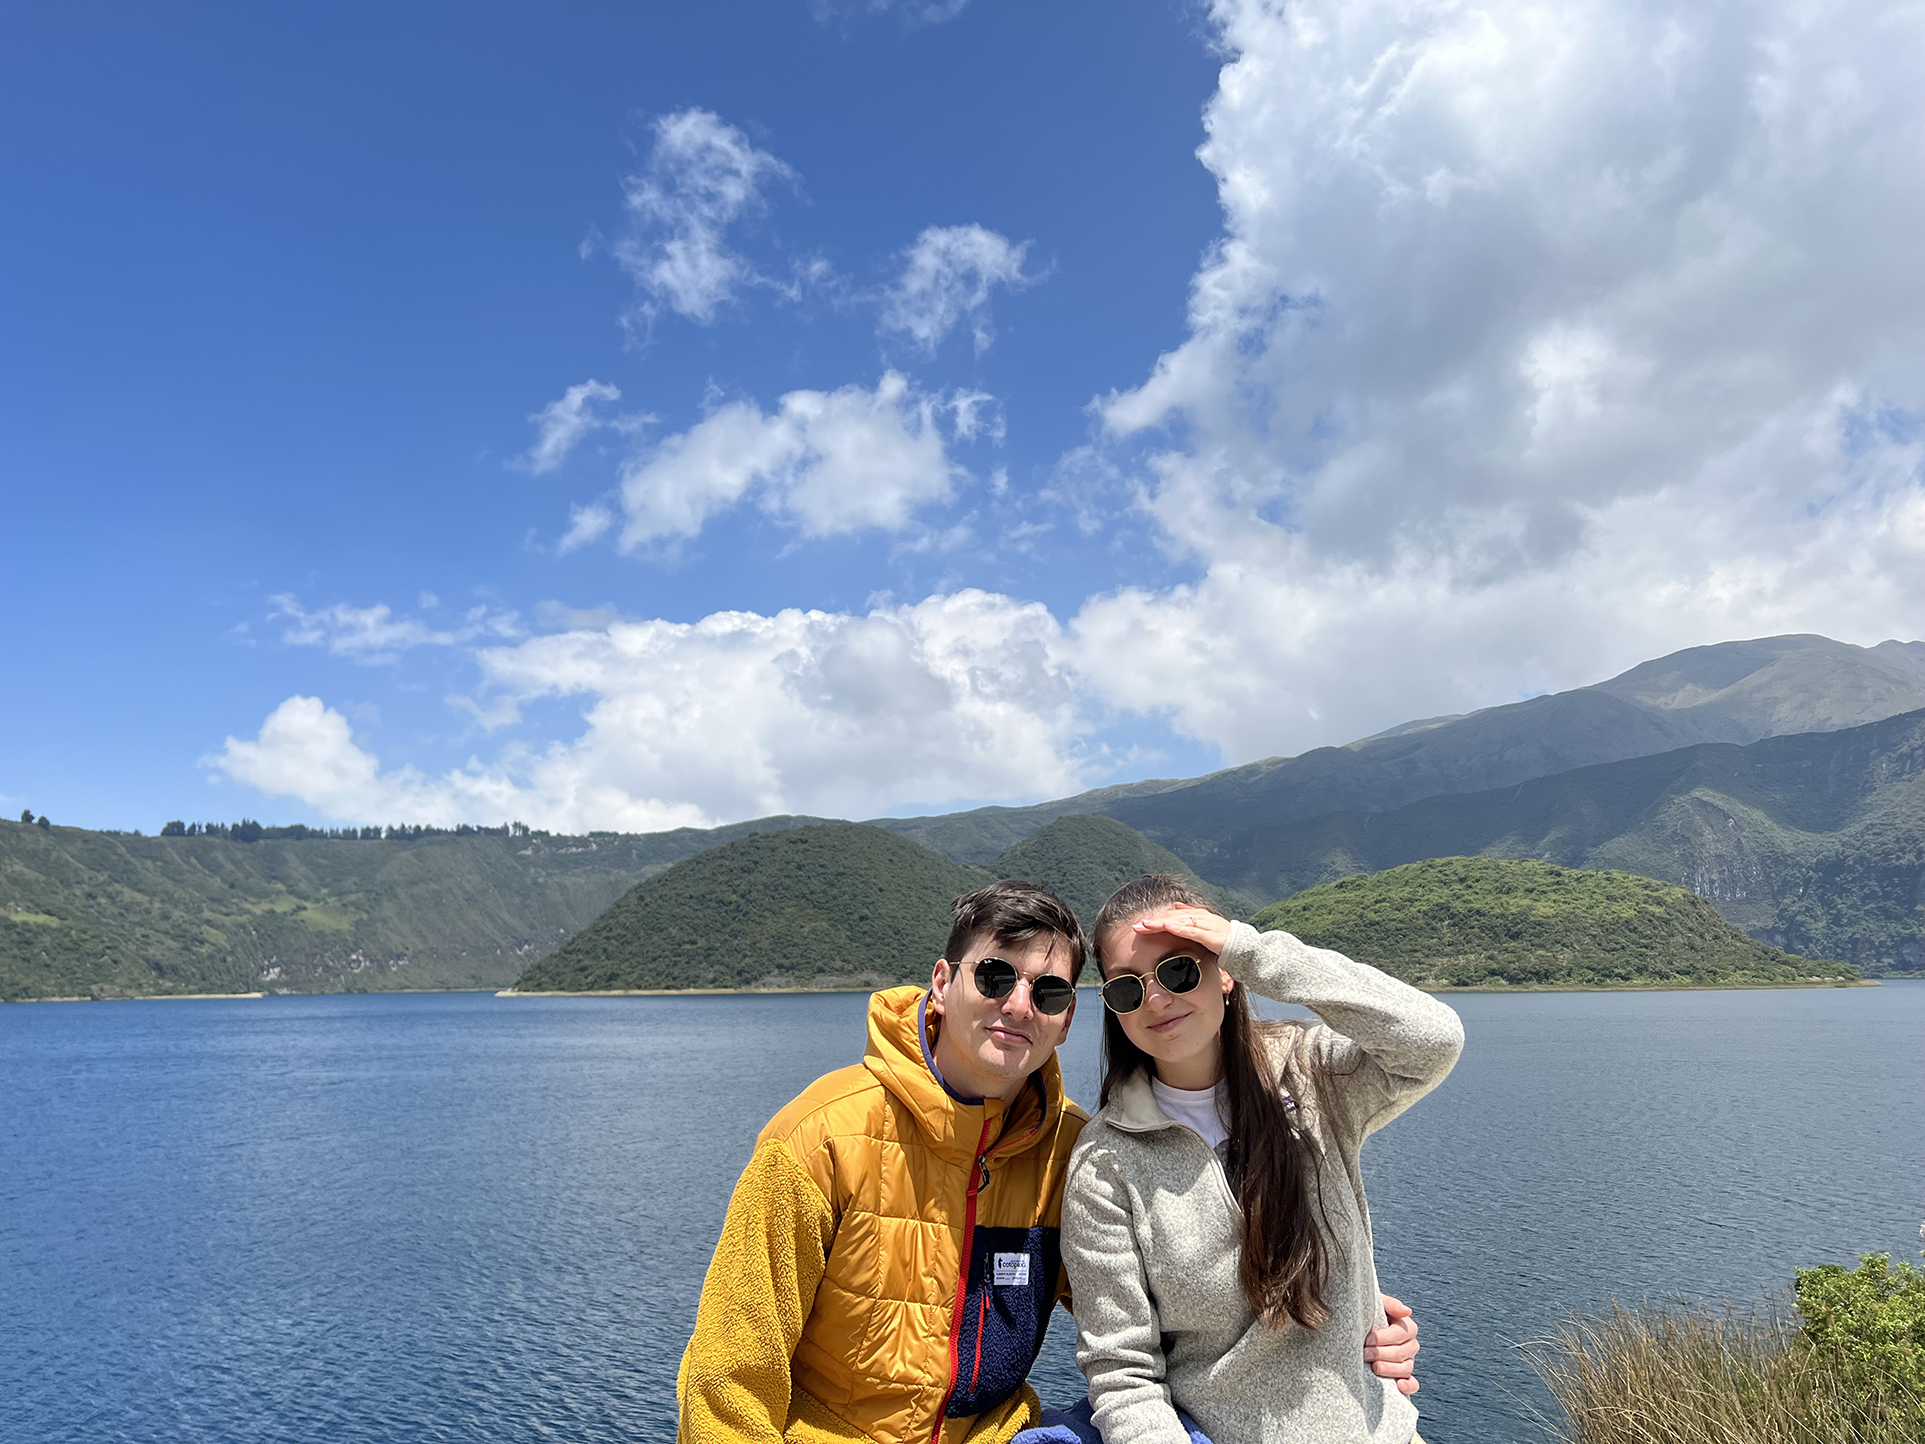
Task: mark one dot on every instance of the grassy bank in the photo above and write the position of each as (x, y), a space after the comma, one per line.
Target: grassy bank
(1843, 1363)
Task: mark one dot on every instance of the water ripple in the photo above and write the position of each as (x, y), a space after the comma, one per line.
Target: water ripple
(452, 1217)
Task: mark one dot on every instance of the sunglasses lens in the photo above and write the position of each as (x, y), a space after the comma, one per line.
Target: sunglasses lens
(1052, 994)
(1124, 994)
(995, 978)
(1179, 974)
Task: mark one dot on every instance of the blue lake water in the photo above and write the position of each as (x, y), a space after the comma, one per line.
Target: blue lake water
(456, 1217)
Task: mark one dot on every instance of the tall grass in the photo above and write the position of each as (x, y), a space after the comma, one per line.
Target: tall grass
(1667, 1375)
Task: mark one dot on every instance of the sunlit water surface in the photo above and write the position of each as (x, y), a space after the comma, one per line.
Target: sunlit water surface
(371, 1220)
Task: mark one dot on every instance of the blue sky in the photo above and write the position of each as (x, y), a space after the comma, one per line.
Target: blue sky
(1475, 355)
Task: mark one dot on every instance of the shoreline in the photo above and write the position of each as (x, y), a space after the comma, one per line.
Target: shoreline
(1802, 985)
(683, 992)
(206, 997)
(1817, 983)
(1814, 984)
(135, 998)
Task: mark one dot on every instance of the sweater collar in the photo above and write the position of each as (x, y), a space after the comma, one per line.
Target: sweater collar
(1133, 1106)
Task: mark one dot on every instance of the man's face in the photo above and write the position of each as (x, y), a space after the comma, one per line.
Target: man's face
(987, 1047)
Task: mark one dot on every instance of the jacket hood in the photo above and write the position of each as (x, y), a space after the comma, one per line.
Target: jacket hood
(900, 1055)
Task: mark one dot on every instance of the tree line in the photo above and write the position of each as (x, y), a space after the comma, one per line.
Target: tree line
(248, 830)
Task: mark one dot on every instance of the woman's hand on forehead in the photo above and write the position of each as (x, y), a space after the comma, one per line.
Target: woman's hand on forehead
(1193, 925)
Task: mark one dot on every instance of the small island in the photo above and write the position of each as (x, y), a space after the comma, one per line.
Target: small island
(1481, 922)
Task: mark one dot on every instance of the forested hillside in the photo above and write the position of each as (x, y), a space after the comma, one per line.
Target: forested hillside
(1473, 921)
(102, 914)
(831, 906)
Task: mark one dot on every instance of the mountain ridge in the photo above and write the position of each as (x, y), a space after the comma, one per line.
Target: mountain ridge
(1725, 692)
(103, 914)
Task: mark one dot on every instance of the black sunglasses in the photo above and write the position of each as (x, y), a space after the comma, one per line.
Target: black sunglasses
(1049, 994)
(1125, 992)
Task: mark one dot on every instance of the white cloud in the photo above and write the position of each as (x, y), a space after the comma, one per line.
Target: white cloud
(976, 413)
(823, 462)
(586, 524)
(306, 750)
(739, 715)
(1541, 338)
(912, 13)
(376, 634)
(947, 276)
(702, 176)
(563, 423)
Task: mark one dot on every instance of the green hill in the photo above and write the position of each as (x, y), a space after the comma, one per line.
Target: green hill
(102, 914)
(1086, 857)
(1470, 921)
(828, 906)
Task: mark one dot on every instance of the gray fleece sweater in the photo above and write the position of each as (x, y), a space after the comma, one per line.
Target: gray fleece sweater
(1152, 1234)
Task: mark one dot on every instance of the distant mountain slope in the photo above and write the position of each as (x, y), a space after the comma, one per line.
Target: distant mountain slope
(86, 914)
(983, 834)
(1083, 859)
(1777, 686)
(1731, 692)
(1735, 692)
(824, 906)
(1814, 842)
(1470, 921)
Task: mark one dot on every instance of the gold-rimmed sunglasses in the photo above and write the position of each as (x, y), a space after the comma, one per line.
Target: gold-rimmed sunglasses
(996, 979)
(1125, 992)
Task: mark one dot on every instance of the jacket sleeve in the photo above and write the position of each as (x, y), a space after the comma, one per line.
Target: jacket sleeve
(1387, 1043)
(734, 1383)
(1119, 1341)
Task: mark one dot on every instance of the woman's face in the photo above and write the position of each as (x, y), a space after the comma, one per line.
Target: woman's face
(1181, 1031)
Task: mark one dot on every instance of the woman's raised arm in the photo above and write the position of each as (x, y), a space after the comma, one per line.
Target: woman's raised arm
(1388, 1043)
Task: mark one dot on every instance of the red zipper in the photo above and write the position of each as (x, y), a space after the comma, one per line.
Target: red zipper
(962, 1287)
(982, 1317)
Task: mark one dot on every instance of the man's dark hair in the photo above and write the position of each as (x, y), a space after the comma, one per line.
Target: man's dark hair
(1011, 912)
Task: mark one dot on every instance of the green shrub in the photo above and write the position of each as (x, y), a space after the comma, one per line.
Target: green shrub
(1868, 1323)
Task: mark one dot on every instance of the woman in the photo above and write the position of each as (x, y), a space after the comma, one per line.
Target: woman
(1214, 1223)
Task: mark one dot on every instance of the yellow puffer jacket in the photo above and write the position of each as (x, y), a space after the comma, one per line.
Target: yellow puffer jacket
(889, 1260)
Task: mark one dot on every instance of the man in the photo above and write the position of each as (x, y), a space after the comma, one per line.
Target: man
(889, 1260)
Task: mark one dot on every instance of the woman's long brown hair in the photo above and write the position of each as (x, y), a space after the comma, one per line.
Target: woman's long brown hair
(1286, 1251)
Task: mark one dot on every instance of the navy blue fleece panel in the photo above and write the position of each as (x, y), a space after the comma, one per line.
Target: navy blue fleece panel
(1012, 1283)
